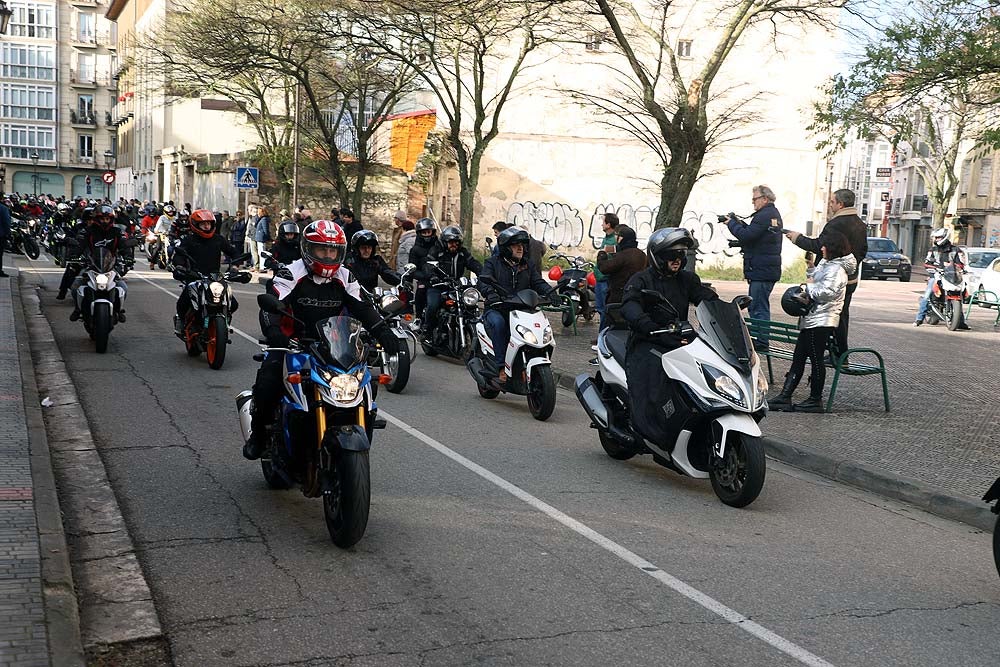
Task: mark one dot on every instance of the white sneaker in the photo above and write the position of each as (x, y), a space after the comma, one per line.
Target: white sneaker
(594, 348)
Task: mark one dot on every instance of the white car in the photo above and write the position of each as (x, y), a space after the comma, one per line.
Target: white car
(988, 279)
(978, 260)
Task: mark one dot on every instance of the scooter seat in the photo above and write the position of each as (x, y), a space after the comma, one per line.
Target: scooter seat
(616, 342)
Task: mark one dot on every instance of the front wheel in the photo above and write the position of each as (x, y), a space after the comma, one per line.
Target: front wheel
(567, 316)
(346, 507)
(217, 337)
(31, 247)
(957, 319)
(398, 368)
(102, 326)
(542, 393)
(738, 476)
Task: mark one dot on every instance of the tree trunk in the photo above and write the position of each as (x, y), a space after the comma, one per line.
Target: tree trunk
(676, 185)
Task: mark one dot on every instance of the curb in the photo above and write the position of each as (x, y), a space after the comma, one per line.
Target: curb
(62, 617)
(927, 497)
(116, 611)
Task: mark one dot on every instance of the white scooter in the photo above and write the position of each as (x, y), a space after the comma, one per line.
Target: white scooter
(527, 362)
(715, 400)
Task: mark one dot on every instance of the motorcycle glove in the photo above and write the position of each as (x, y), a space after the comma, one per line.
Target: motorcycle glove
(276, 337)
(646, 326)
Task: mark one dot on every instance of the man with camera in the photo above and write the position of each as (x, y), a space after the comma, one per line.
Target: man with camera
(760, 242)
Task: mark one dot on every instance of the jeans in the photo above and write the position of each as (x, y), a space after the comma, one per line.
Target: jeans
(251, 247)
(600, 300)
(760, 307)
(496, 327)
(259, 259)
(433, 305)
(922, 310)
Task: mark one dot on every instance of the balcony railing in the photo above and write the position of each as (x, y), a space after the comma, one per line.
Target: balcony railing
(78, 36)
(77, 117)
(88, 78)
(74, 158)
(920, 203)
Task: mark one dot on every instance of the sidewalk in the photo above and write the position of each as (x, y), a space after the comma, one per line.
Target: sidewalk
(937, 448)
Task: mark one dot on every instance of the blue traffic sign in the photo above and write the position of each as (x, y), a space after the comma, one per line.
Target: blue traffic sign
(89, 189)
(247, 178)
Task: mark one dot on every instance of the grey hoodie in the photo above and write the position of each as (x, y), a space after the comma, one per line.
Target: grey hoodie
(827, 291)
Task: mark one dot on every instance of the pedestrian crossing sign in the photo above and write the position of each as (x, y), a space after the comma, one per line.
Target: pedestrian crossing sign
(247, 178)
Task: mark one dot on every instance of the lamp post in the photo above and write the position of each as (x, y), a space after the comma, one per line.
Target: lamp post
(5, 14)
(109, 155)
(34, 176)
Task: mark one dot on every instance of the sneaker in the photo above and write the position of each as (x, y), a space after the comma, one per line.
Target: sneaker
(594, 362)
(75, 315)
(594, 347)
(121, 315)
(917, 323)
(61, 295)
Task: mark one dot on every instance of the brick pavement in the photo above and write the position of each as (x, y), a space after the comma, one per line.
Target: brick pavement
(943, 386)
(23, 639)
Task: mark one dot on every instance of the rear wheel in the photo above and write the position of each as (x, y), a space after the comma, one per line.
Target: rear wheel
(102, 326)
(996, 545)
(932, 317)
(217, 340)
(957, 318)
(738, 476)
(346, 507)
(542, 393)
(274, 479)
(613, 448)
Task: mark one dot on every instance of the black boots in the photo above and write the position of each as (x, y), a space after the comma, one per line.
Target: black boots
(811, 404)
(254, 446)
(783, 401)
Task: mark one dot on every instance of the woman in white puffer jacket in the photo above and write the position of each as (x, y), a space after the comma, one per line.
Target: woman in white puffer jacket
(827, 287)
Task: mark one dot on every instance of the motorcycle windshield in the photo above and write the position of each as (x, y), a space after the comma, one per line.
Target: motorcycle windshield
(720, 325)
(102, 258)
(341, 338)
(952, 274)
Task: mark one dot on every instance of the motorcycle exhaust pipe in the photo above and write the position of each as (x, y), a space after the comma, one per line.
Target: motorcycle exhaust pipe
(244, 401)
(590, 399)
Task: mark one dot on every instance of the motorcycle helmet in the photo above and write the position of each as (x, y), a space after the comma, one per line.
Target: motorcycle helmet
(169, 211)
(423, 224)
(669, 243)
(324, 246)
(288, 232)
(510, 237)
(63, 208)
(796, 301)
(198, 221)
(452, 233)
(364, 237)
(104, 217)
(940, 237)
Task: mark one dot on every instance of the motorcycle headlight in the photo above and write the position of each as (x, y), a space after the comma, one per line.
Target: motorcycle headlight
(527, 334)
(761, 390)
(102, 280)
(343, 387)
(547, 334)
(216, 289)
(723, 385)
(471, 296)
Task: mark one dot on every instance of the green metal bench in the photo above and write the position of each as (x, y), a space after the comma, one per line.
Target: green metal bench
(782, 336)
(568, 305)
(984, 299)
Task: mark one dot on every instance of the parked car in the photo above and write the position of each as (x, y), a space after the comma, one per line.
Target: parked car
(978, 259)
(885, 261)
(988, 279)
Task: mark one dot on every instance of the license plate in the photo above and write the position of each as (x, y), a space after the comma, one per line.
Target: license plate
(889, 270)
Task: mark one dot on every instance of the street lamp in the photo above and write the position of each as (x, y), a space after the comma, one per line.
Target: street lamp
(5, 14)
(34, 177)
(109, 155)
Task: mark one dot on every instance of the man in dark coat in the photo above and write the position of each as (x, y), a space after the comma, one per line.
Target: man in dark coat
(845, 221)
(626, 261)
(760, 241)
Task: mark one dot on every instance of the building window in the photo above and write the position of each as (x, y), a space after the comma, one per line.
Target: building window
(20, 141)
(985, 176)
(27, 61)
(594, 41)
(85, 71)
(684, 48)
(27, 101)
(85, 146)
(32, 19)
(85, 27)
(963, 182)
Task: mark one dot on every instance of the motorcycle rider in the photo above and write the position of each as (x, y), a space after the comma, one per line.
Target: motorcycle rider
(199, 253)
(942, 252)
(100, 229)
(667, 251)
(512, 271)
(365, 262)
(164, 225)
(453, 260)
(313, 288)
(286, 249)
(426, 240)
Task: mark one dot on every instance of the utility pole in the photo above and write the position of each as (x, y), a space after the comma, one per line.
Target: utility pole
(295, 149)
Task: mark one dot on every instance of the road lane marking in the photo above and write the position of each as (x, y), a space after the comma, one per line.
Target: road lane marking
(769, 637)
(786, 646)
(166, 291)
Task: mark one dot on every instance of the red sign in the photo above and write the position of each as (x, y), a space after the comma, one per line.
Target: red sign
(108, 177)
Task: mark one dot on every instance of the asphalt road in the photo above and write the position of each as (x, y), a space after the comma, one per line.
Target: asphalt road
(496, 539)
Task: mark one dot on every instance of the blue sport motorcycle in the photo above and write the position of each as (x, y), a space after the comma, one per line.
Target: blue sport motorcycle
(322, 430)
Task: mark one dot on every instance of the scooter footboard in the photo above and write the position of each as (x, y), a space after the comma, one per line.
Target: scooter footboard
(738, 422)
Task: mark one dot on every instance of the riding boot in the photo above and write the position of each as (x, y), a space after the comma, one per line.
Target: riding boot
(812, 404)
(783, 401)
(256, 444)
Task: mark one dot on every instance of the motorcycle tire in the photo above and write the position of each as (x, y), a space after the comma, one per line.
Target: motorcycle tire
(542, 393)
(346, 508)
(932, 319)
(957, 319)
(996, 545)
(102, 326)
(217, 338)
(613, 448)
(191, 345)
(399, 369)
(274, 479)
(567, 317)
(738, 478)
(31, 248)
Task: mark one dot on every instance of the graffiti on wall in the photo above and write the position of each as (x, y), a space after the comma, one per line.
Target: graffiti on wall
(562, 225)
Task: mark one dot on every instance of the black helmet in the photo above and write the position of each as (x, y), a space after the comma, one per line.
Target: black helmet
(364, 237)
(452, 233)
(509, 237)
(425, 223)
(288, 228)
(663, 244)
(796, 301)
(104, 216)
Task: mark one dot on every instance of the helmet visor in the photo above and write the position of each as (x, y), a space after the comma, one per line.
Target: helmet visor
(671, 255)
(324, 253)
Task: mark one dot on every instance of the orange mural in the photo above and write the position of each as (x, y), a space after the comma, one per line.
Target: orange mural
(409, 132)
